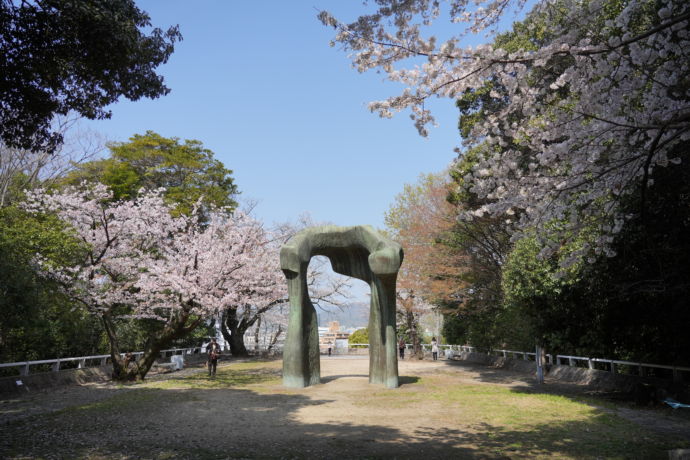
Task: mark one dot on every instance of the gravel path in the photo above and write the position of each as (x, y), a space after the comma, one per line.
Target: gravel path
(166, 419)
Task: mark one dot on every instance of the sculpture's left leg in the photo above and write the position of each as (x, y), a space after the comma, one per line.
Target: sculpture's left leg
(301, 365)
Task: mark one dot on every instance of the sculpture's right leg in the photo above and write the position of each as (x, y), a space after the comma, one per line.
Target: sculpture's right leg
(383, 358)
(301, 365)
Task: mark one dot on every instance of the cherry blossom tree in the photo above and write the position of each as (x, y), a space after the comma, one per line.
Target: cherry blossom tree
(581, 114)
(140, 262)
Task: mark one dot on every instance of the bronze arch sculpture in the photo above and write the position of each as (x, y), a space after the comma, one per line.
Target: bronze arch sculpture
(360, 252)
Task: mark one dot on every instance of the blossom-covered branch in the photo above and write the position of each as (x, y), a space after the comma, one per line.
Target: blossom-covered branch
(582, 112)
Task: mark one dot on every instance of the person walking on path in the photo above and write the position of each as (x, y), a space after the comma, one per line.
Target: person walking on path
(434, 348)
(401, 348)
(213, 351)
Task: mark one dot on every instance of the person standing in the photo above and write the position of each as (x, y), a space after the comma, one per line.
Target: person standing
(434, 348)
(401, 347)
(213, 351)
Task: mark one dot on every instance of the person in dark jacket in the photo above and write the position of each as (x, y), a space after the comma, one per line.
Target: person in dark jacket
(213, 351)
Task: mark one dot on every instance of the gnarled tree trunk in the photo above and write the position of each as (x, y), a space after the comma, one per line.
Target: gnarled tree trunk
(412, 323)
(127, 368)
(233, 329)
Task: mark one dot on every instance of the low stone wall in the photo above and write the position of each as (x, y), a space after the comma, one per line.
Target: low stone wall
(500, 362)
(602, 380)
(44, 380)
(594, 378)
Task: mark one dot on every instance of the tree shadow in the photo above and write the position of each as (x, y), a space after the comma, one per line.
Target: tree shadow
(407, 379)
(205, 424)
(269, 422)
(331, 378)
(402, 380)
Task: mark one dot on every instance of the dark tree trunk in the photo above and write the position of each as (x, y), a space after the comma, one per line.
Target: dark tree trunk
(234, 328)
(412, 328)
(127, 368)
(256, 334)
(275, 337)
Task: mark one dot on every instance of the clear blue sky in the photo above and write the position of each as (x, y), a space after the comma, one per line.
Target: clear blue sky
(258, 83)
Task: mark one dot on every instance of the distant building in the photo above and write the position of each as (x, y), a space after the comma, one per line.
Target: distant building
(332, 336)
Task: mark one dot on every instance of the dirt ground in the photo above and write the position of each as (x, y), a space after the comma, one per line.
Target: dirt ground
(331, 420)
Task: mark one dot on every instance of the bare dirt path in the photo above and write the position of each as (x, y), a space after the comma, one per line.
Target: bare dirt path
(246, 413)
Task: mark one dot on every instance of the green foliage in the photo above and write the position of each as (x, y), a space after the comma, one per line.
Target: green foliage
(359, 336)
(64, 55)
(631, 306)
(187, 171)
(461, 195)
(37, 321)
(454, 329)
(133, 334)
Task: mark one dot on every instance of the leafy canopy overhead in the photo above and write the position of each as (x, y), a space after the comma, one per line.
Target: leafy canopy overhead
(58, 56)
(187, 171)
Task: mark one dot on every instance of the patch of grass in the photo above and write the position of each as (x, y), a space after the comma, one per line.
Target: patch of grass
(520, 424)
(233, 376)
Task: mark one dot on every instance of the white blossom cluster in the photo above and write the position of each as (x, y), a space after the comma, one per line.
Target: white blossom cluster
(137, 254)
(584, 118)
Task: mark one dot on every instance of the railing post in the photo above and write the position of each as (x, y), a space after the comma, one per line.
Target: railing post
(56, 366)
(104, 361)
(82, 364)
(590, 363)
(677, 377)
(613, 367)
(643, 371)
(24, 370)
(504, 354)
(571, 362)
(540, 364)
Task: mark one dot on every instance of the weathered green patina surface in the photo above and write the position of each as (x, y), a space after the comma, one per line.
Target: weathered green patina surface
(360, 252)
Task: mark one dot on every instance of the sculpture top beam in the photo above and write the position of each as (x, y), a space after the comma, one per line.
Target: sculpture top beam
(358, 251)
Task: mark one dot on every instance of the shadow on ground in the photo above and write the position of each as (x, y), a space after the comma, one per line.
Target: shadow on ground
(214, 419)
(205, 424)
(331, 378)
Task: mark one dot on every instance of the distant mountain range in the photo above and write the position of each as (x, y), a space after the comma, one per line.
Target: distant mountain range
(355, 314)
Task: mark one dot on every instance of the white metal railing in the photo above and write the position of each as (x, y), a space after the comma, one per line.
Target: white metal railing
(83, 361)
(612, 365)
(525, 355)
(409, 346)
